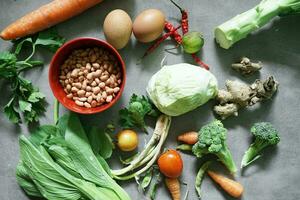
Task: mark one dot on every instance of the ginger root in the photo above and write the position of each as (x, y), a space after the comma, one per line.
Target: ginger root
(239, 95)
(246, 67)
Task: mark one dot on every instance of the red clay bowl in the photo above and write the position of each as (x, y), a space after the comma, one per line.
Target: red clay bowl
(58, 59)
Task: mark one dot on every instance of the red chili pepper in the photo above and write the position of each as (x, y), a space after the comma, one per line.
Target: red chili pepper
(170, 28)
(184, 18)
(199, 61)
(159, 41)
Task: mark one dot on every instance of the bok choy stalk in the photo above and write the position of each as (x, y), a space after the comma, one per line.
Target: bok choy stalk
(241, 25)
(58, 162)
(149, 155)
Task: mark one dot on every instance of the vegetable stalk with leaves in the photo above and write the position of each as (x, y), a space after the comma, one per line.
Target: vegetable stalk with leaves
(26, 98)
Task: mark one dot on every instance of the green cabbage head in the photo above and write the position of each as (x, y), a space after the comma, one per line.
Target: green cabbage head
(177, 89)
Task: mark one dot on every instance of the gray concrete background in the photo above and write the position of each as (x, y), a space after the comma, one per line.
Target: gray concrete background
(275, 176)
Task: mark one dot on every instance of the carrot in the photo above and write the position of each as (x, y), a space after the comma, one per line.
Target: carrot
(232, 187)
(174, 187)
(190, 137)
(46, 16)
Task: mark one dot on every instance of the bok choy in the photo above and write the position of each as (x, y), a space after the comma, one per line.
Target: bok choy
(58, 162)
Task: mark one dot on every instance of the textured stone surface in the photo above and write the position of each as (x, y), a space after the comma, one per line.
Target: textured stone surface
(275, 176)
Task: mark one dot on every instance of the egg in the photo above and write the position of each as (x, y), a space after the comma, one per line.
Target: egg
(117, 28)
(148, 25)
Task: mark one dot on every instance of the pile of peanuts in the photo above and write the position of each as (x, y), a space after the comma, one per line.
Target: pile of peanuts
(91, 77)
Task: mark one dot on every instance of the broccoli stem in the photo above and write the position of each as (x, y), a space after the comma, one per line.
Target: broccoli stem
(226, 158)
(252, 153)
(241, 25)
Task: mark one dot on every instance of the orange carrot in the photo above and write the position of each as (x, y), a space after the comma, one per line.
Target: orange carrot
(46, 16)
(174, 187)
(232, 187)
(190, 137)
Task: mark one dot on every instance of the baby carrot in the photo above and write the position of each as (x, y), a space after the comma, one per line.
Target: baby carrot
(190, 137)
(174, 187)
(46, 16)
(232, 187)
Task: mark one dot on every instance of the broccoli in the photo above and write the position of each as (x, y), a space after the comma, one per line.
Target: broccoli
(265, 135)
(212, 140)
(138, 108)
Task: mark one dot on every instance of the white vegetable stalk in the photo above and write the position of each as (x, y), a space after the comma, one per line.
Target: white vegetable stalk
(241, 25)
(150, 154)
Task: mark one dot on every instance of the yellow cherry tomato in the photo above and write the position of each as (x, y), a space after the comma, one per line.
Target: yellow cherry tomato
(127, 140)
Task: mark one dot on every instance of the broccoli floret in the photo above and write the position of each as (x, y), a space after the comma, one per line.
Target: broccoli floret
(212, 140)
(134, 114)
(265, 135)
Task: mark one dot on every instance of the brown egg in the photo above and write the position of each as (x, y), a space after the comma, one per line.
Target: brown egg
(117, 28)
(148, 25)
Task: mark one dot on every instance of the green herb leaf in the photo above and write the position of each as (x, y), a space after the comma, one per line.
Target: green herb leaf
(36, 97)
(157, 178)
(20, 42)
(11, 113)
(50, 39)
(25, 106)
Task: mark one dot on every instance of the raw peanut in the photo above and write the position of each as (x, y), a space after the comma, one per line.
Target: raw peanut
(108, 82)
(85, 72)
(97, 73)
(118, 75)
(78, 85)
(87, 94)
(80, 73)
(94, 96)
(96, 90)
(104, 78)
(71, 80)
(90, 99)
(67, 81)
(119, 81)
(109, 90)
(104, 95)
(96, 65)
(89, 76)
(94, 84)
(102, 85)
(78, 65)
(68, 74)
(75, 98)
(74, 73)
(66, 91)
(84, 85)
(88, 88)
(97, 80)
(70, 96)
(92, 69)
(68, 87)
(82, 99)
(94, 103)
(110, 69)
(74, 89)
(87, 105)
(105, 66)
(109, 99)
(98, 99)
(88, 66)
(81, 78)
(62, 77)
(78, 103)
(93, 58)
(116, 89)
(81, 93)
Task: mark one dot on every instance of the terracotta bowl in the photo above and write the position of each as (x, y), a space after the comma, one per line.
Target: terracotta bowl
(57, 61)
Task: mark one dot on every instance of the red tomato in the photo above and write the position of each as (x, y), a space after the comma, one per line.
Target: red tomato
(170, 163)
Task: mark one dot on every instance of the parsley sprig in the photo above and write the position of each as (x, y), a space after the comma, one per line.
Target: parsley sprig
(25, 98)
